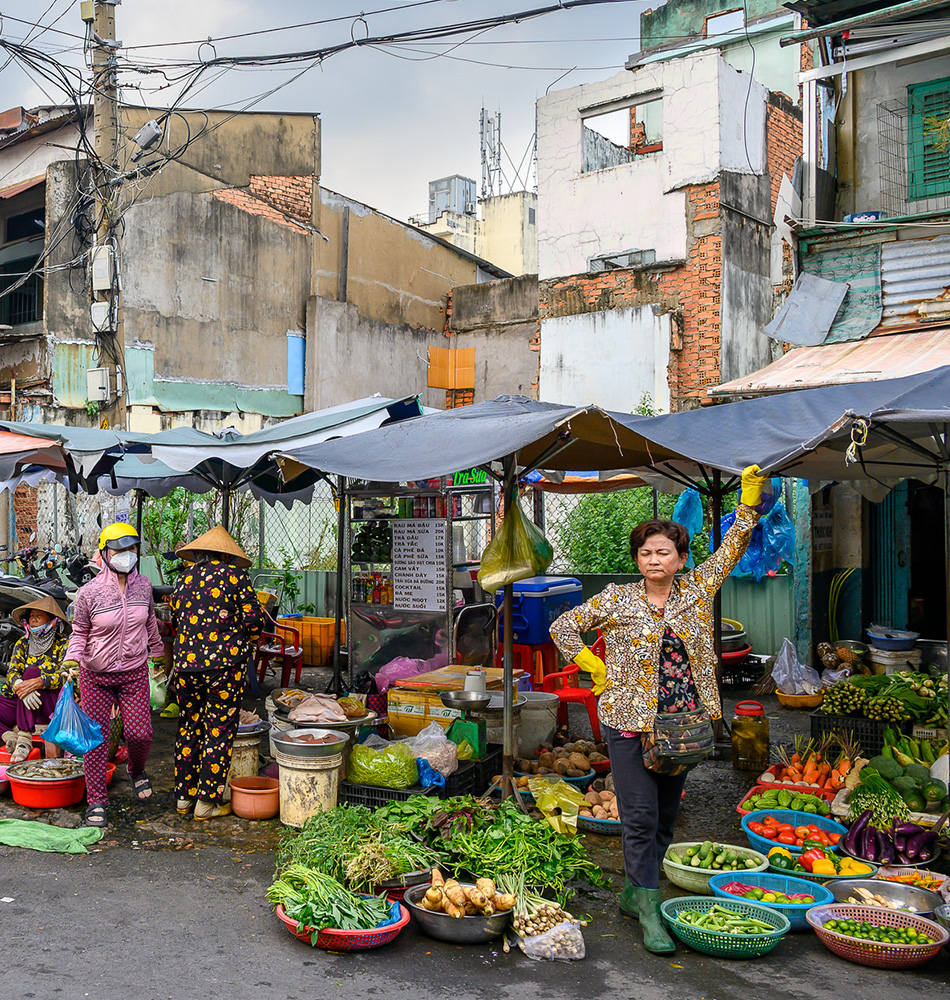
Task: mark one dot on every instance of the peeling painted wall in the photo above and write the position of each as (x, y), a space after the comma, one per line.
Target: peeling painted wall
(611, 358)
(350, 355)
(633, 205)
(394, 273)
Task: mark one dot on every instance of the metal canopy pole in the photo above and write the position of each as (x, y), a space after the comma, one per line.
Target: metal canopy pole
(716, 534)
(337, 682)
(226, 508)
(508, 718)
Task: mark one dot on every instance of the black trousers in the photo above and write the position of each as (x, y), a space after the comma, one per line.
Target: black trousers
(648, 804)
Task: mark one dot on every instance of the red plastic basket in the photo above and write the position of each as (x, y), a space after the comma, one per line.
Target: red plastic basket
(875, 953)
(600, 766)
(334, 940)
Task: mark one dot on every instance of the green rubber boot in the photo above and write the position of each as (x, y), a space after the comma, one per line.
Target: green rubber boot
(644, 905)
(628, 900)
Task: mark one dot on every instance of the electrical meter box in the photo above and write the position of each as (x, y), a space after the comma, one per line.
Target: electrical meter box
(102, 266)
(97, 385)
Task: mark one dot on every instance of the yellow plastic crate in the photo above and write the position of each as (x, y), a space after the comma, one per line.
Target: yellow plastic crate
(316, 638)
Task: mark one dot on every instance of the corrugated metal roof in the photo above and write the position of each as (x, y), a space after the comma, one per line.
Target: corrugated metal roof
(915, 280)
(819, 12)
(879, 357)
(15, 189)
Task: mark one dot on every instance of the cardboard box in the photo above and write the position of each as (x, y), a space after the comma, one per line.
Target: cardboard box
(411, 711)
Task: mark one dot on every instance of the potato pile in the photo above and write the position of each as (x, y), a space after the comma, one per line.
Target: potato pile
(601, 805)
(569, 761)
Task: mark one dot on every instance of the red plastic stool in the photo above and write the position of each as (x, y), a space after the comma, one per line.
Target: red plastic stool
(559, 684)
(274, 646)
(535, 660)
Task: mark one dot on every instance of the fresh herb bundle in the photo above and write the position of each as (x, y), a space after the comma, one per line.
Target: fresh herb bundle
(317, 901)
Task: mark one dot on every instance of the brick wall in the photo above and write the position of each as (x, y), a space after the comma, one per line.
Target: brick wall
(289, 194)
(693, 291)
(783, 131)
(24, 510)
(280, 199)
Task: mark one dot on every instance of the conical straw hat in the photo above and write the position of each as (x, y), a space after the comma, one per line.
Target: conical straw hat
(218, 541)
(46, 604)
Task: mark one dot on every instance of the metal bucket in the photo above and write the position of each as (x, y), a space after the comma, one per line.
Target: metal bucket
(308, 785)
(538, 722)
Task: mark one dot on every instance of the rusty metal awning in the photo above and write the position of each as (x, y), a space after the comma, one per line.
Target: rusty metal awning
(15, 189)
(879, 357)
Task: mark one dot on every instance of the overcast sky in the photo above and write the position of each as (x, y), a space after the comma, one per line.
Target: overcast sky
(394, 118)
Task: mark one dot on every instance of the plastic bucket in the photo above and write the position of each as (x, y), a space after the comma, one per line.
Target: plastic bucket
(245, 754)
(495, 720)
(538, 722)
(308, 785)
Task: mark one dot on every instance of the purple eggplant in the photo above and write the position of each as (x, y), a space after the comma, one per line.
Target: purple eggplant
(902, 857)
(885, 851)
(914, 844)
(900, 839)
(853, 840)
(869, 844)
(908, 829)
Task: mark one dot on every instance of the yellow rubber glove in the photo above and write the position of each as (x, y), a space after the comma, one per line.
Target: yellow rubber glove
(752, 483)
(595, 666)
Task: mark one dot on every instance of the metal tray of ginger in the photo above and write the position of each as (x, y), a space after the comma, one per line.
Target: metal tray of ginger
(48, 769)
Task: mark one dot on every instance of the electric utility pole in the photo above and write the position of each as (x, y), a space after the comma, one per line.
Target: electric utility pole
(105, 262)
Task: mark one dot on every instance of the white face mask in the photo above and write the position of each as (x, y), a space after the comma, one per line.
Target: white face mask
(123, 562)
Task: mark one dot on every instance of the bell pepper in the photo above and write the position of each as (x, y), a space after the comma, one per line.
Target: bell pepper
(780, 858)
(809, 858)
(813, 843)
(823, 867)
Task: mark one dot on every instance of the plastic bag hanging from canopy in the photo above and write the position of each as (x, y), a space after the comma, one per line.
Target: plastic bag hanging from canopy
(771, 544)
(517, 551)
(689, 513)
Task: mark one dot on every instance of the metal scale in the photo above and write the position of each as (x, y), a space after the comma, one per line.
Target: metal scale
(473, 730)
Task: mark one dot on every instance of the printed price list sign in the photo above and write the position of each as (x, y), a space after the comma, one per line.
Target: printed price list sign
(420, 550)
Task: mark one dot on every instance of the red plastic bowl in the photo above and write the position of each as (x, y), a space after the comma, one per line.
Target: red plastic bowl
(335, 940)
(47, 794)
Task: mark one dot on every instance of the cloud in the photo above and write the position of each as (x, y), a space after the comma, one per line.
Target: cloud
(391, 120)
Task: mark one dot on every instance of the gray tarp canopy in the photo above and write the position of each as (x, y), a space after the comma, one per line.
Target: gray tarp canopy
(805, 434)
(551, 435)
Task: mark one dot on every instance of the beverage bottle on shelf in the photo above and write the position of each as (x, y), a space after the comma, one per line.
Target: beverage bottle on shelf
(377, 593)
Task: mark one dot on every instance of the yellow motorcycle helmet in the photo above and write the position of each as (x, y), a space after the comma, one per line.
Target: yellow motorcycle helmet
(118, 536)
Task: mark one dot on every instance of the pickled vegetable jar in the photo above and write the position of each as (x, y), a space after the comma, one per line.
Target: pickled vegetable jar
(750, 737)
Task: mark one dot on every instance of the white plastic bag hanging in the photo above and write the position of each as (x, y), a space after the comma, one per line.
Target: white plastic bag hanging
(792, 677)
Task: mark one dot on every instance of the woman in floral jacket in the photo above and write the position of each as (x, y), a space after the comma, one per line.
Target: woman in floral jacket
(218, 620)
(659, 658)
(31, 690)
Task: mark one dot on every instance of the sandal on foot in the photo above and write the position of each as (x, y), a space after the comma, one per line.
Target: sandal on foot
(142, 787)
(96, 816)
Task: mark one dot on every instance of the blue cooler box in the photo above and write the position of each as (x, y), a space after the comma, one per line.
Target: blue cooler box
(537, 601)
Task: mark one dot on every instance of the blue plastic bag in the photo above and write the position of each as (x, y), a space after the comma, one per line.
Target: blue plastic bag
(70, 727)
(429, 777)
(689, 513)
(771, 544)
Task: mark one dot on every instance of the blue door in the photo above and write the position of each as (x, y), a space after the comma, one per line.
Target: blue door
(890, 559)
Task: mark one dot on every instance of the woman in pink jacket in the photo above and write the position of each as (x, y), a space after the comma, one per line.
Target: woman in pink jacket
(114, 634)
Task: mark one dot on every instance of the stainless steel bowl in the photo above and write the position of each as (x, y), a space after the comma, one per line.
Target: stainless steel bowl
(465, 700)
(294, 749)
(457, 930)
(942, 915)
(907, 897)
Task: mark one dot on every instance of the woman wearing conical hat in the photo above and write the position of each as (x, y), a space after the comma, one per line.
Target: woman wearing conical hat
(29, 694)
(218, 620)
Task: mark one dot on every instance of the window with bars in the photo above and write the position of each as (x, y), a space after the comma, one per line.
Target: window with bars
(24, 304)
(928, 158)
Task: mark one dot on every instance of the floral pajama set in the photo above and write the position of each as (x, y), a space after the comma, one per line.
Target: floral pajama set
(657, 661)
(218, 620)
